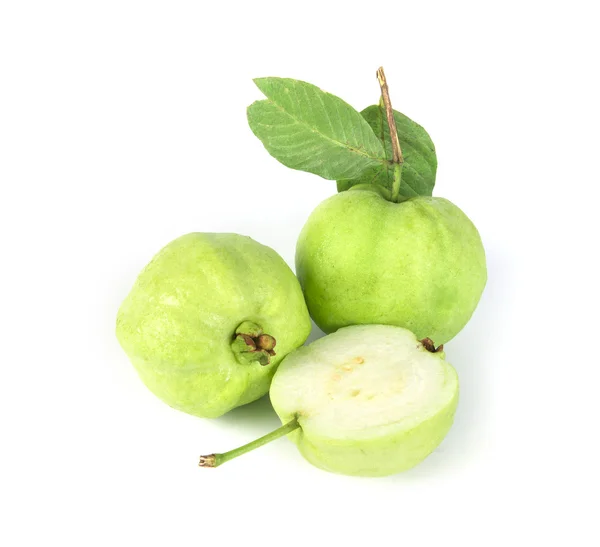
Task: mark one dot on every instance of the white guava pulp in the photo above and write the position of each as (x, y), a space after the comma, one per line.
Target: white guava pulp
(371, 400)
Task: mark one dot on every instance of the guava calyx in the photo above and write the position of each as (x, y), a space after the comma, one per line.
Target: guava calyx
(250, 328)
(430, 346)
(250, 344)
(266, 342)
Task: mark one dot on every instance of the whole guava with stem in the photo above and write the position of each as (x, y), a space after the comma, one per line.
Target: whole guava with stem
(209, 319)
(368, 400)
(382, 250)
(363, 258)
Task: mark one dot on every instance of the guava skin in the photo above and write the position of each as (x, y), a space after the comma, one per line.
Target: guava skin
(418, 264)
(377, 457)
(178, 322)
(386, 446)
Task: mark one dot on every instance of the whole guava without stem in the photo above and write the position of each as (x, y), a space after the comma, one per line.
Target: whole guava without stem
(417, 264)
(209, 319)
(368, 400)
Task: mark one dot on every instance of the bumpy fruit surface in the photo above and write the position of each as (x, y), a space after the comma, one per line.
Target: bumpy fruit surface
(418, 264)
(209, 320)
(370, 400)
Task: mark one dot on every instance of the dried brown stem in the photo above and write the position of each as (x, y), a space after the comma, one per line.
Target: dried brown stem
(389, 112)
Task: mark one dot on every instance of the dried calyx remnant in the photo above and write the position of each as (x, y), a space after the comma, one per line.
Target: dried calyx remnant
(250, 344)
(430, 346)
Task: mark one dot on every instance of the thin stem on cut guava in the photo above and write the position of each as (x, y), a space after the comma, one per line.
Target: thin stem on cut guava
(397, 158)
(214, 460)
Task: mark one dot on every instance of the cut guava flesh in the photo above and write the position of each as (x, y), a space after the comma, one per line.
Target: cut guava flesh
(370, 399)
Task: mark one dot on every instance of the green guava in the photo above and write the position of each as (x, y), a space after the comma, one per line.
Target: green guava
(417, 264)
(368, 400)
(209, 319)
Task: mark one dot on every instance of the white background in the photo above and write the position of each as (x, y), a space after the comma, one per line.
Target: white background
(122, 126)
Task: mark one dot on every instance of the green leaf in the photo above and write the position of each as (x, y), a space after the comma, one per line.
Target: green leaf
(420, 161)
(306, 128)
